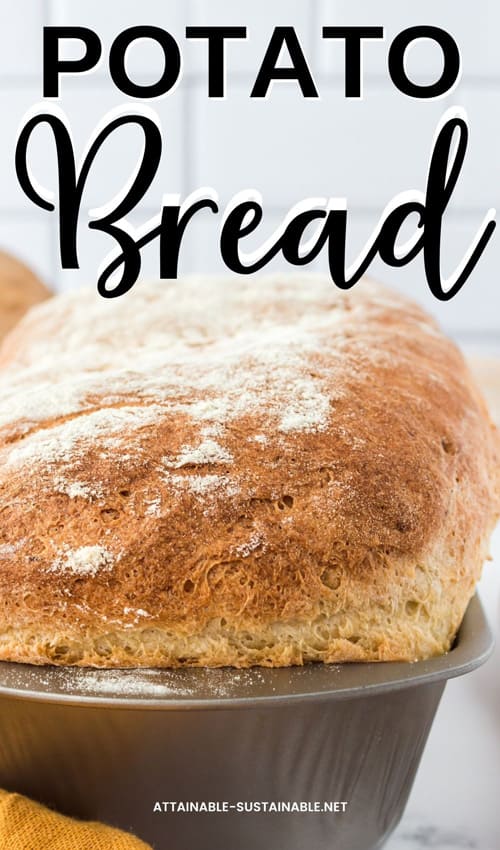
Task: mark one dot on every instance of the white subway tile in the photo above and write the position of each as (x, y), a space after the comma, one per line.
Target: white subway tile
(145, 59)
(260, 19)
(290, 148)
(286, 147)
(479, 182)
(473, 26)
(20, 38)
(14, 103)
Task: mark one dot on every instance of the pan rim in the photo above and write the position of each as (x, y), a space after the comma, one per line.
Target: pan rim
(262, 687)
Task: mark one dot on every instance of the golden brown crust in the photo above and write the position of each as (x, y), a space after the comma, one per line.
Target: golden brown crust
(263, 472)
(20, 289)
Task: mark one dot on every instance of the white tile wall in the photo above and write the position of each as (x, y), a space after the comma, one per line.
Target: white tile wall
(20, 38)
(110, 18)
(246, 56)
(473, 26)
(479, 184)
(292, 148)
(284, 146)
(15, 100)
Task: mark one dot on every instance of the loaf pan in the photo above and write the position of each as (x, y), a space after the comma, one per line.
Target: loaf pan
(127, 747)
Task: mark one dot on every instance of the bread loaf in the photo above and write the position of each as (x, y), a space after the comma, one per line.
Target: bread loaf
(238, 472)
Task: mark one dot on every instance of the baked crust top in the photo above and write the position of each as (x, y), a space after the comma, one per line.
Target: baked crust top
(231, 450)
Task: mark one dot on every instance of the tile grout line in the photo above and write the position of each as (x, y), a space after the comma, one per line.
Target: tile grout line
(47, 19)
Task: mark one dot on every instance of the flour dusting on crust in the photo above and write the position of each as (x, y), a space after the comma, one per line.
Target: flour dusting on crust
(278, 352)
(86, 560)
(239, 472)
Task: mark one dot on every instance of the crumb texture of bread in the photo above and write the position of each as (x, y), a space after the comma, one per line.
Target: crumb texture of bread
(238, 472)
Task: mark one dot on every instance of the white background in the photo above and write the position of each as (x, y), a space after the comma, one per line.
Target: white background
(289, 149)
(285, 146)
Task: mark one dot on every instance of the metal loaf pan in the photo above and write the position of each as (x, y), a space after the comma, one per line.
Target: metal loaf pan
(108, 744)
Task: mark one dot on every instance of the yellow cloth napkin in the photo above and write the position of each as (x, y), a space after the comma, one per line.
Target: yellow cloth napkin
(25, 825)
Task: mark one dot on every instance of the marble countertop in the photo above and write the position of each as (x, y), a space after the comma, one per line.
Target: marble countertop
(455, 802)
